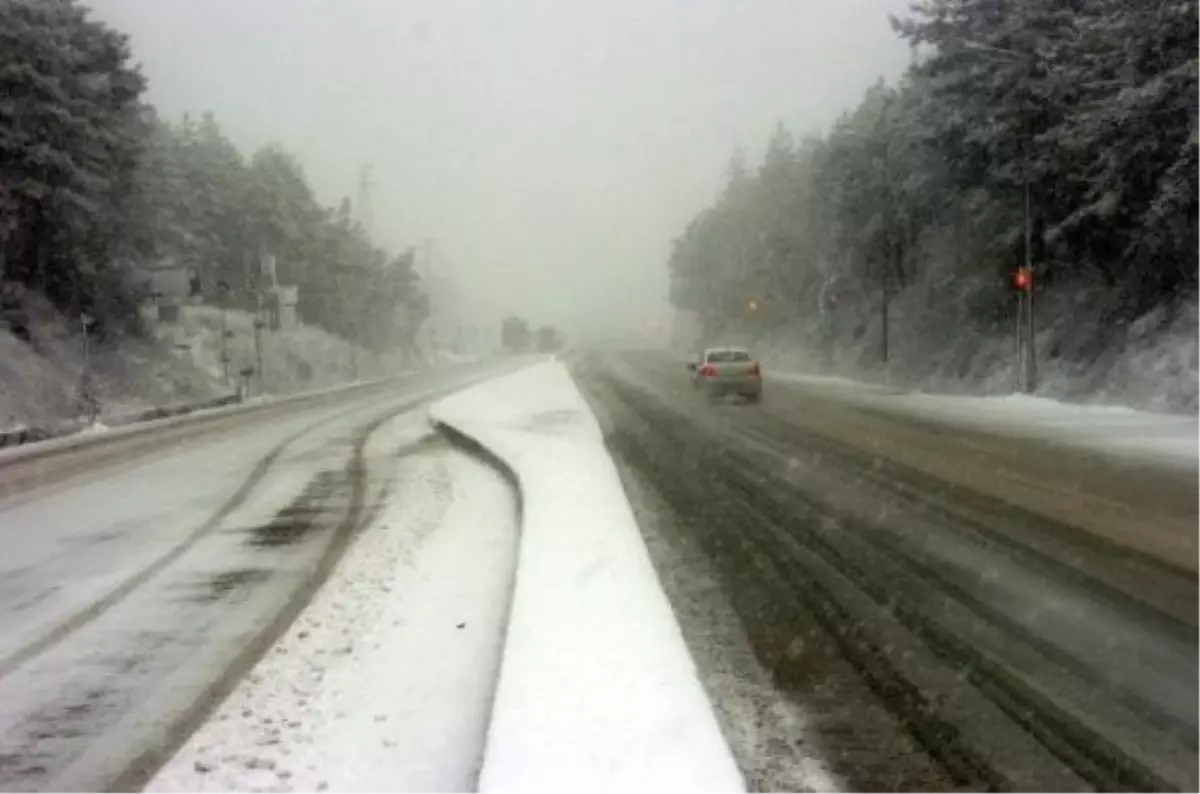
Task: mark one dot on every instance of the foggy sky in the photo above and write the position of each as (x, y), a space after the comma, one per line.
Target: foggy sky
(551, 148)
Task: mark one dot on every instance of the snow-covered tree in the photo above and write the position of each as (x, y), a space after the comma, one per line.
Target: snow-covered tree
(71, 134)
(1090, 105)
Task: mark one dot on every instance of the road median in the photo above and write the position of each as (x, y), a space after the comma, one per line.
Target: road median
(597, 689)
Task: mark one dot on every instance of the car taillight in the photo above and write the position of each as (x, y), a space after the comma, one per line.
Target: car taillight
(708, 371)
(754, 371)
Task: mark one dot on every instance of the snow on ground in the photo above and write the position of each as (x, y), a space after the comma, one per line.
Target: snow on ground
(1166, 438)
(771, 735)
(186, 588)
(298, 359)
(831, 381)
(40, 379)
(180, 363)
(385, 681)
(597, 690)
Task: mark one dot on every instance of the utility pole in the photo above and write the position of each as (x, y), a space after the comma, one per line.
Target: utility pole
(366, 211)
(258, 357)
(889, 244)
(888, 252)
(1031, 328)
(258, 326)
(223, 297)
(884, 312)
(356, 327)
(90, 399)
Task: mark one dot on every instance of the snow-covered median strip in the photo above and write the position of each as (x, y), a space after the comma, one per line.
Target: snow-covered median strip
(597, 690)
(385, 681)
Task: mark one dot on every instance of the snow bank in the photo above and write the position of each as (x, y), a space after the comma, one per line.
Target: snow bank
(1172, 439)
(597, 690)
(1085, 355)
(178, 364)
(384, 682)
(137, 424)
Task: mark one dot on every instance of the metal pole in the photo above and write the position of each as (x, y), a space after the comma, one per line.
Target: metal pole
(1019, 368)
(1031, 358)
(223, 296)
(258, 357)
(886, 300)
(1031, 347)
(888, 244)
(88, 395)
(224, 349)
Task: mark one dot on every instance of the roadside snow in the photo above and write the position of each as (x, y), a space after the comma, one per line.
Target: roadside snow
(831, 381)
(597, 691)
(773, 737)
(384, 682)
(86, 434)
(1171, 439)
(178, 363)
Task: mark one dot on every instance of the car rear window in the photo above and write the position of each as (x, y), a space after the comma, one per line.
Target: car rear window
(726, 356)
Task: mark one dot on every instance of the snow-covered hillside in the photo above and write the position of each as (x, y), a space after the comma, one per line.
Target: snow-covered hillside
(1150, 364)
(178, 363)
(295, 360)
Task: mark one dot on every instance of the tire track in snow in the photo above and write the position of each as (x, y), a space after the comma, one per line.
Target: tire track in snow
(360, 512)
(83, 617)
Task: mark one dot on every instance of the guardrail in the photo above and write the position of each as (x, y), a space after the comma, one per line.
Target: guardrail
(29, 435)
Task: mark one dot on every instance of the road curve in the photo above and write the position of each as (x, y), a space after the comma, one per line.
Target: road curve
(142, 573)
(1003, 613)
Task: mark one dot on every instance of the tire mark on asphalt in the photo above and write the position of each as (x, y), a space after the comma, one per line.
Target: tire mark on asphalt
(1170, 600)
(97, 608)
(138, 772)
(797, 597)
(1096, 759)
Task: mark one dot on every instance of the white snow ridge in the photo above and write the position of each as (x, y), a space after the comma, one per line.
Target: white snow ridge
(597, 690)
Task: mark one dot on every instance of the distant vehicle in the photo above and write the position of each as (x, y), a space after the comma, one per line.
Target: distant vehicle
(727, 370)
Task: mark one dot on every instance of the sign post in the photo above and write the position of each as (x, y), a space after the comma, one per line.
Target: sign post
(1026, 370)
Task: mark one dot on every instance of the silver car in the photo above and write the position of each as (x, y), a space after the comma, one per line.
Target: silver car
(727, 370)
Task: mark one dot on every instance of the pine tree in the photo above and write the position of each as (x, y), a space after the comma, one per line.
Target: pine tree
(71, 133)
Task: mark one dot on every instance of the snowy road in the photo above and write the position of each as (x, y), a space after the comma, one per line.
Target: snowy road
(931, 606)
(142, 574)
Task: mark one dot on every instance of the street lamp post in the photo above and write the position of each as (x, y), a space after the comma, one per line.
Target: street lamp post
(1026, 327)
(1030, 339)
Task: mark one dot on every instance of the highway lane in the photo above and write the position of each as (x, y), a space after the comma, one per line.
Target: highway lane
(142, 574)
(999, 612)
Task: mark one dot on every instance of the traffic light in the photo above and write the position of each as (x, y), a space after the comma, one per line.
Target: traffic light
(1022, 279)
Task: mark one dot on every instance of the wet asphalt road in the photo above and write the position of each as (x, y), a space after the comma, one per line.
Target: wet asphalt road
(1000, 613)
(143, 574)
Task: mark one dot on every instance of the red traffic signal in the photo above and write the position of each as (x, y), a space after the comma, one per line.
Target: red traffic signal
(1022, 279)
